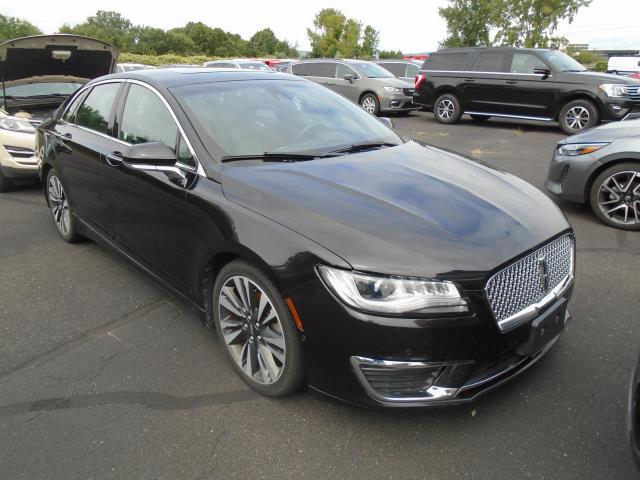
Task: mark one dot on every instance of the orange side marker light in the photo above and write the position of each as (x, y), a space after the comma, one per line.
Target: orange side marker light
(294, 313)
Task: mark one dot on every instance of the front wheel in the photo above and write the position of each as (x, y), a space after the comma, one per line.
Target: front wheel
(370, 103)
(257, 330)
(615, 196)
(578, 115)
(60, 208)
(447, 109)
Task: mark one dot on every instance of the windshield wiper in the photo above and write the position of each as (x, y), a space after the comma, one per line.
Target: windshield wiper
(276, 157)
(357, 147)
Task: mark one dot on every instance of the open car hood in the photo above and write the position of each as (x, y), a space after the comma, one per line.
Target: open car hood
(55, 55)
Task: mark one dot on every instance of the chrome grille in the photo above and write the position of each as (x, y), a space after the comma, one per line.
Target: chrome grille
(634, 92)
(522, 284)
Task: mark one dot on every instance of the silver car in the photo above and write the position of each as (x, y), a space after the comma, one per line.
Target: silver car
(403, 69)
(375, 89)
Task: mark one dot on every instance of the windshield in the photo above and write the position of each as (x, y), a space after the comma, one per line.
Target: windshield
(42, 89)
(277, 116)
(255, 66)
(373, 70)
(563, 62)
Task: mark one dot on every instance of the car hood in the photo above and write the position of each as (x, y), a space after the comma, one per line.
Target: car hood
(31, 58)
(598, 78)
(406, 210)
(607, 132)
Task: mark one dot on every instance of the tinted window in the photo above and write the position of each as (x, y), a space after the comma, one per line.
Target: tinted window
(70, 113)
(489, 62)
(146, 119)
(96, 109)
(42, 89)
(524, 63)
(562, 61)
(300, 69)
(343, 70)
(184, 154)
(396, 68)
(446, 61)
(412, 71)
(326, 70)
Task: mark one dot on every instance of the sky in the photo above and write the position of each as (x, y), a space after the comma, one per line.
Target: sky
(414, 27)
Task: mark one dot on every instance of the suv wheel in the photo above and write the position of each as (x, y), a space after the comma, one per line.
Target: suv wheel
(370, 103)
(256, 328)
(578, 115)
(447, 109)
(615, 196)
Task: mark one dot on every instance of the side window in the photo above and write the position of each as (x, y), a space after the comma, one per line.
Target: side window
(184, 154)
(96, 109)
(343, 70)
(412, 71)
(396, 68)
(454, 62)
(146, 119)
(489, 62)
(325, 70)
(70, 112)
(301, 69)
(524, 63)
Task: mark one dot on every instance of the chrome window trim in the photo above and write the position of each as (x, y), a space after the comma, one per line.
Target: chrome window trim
(488, 73)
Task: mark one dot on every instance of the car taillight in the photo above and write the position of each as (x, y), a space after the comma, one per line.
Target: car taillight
(421, 77)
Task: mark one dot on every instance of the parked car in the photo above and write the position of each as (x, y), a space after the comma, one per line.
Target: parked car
(324, 248)
(635, 76)
(38, 74)
(601, 167)
(375, 89)
(403, 69)
(129, 67)
(623, 65)
(239, 64)
(179, 65)
(529, 84)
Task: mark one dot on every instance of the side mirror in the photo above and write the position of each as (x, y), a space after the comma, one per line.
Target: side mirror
(348, 77)
(544, 71)
(150, 153)
(386, 121)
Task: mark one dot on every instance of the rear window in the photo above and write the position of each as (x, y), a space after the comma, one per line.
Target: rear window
(396, 68)
(326, 70)
(446, 61)
(489, 62)
(300, 69)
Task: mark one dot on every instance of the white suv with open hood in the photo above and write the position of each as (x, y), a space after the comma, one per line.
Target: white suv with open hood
(37, 74)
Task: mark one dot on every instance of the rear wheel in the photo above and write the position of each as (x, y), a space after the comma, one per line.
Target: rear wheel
(257, 330)
(615, 196)
(447, 109)
(5, 183)
(578, 115)
(369, 102)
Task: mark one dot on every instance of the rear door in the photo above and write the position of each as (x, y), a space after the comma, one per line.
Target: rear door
(482, 89)
(526, 93)
(347, 88)
(81, 140)
(323, 73)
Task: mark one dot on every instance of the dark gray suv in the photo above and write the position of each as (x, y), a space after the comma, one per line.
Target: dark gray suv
(372, 87)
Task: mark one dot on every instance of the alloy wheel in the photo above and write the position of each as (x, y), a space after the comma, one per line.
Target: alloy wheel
(369, 105)
(252, 330)
(577, 118)
(619, 197)
(59, 205)
(446, 108)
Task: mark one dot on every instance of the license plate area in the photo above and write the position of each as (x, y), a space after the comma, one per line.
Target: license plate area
(544, 328)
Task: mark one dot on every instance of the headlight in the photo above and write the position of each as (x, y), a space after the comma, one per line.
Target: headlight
(393, 295)
(393, 89)
(614, 89)
(574, 149)
(16, 125)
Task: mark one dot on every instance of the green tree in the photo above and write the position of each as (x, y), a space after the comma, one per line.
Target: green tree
(532, 23)
(262, 43)
(109, 26)
(335, 35)
(370, 41)
(468, 22)
(13, 27)
(387, 54)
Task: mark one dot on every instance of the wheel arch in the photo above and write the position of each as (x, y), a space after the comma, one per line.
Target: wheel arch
(368, 92)
(580, 95)
(605, 163)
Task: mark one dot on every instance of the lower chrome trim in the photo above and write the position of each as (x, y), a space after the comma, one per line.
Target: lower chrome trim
(505, 115)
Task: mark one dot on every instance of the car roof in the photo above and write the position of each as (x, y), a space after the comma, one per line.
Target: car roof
(493, 49)
(173, 77)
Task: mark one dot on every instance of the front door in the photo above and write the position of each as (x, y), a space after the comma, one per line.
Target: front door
(529, 94)
(483, 87)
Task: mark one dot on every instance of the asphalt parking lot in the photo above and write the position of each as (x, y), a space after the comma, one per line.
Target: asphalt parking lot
(105, 375)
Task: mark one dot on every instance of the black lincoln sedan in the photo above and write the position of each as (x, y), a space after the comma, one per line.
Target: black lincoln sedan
(325, 250)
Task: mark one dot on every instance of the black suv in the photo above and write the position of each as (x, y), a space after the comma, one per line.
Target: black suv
(530, 84)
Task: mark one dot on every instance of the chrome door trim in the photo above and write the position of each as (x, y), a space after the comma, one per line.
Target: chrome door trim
(506, 115)
(461, 72)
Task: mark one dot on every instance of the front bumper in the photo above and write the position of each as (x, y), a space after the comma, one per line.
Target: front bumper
(354, 357)
(18, 158)
(614, 109)
(396, 102)
(568, 175)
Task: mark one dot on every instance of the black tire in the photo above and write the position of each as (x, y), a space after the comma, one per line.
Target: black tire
(6, 184)
(578, 115)
(616, 218)
(370, 103)
(447, 109)
(70, 233)
(480, 118)
(291, 378)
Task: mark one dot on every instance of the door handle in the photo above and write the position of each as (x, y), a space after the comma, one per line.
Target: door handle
(114, 159)
(512, 82)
